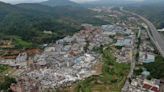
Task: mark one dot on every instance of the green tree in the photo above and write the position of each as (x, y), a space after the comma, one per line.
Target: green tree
(156, 68)
(5, 85)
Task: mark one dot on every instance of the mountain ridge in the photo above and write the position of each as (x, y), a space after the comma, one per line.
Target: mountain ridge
(54, 3)
(28, 21)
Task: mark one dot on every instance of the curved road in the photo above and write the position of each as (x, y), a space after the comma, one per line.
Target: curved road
(153, 33)
(155, 38)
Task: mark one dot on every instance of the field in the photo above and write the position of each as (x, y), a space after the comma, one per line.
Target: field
(19, 43)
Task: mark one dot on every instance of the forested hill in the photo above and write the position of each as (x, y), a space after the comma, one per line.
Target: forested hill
(28, 21)
(53, 3)
(153, 11)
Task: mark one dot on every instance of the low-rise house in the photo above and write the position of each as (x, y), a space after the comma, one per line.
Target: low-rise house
(47, 32)
(152, 85)
(145, 57)
(49, 49)
(145, 73)
(16, 88)
(124, 42)
(22, 57)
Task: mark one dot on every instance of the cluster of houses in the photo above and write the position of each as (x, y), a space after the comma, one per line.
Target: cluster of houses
(146, 49)
(70, 59)
(123, 42)
(18, 59)
(146, 55)
(144, 85)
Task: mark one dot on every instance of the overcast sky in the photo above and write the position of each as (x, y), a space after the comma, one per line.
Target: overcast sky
(30, 1)
(81, 1)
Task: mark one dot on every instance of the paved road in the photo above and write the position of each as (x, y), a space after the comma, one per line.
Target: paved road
(130, 75)
(153, 33)
(158, 40)
(155, 38)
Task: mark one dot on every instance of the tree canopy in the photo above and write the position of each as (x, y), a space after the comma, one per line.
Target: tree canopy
(156, 68)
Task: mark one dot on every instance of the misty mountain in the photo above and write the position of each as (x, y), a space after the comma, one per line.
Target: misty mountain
(153, 1)
(122, 2)
(110, 2)
(53, 3)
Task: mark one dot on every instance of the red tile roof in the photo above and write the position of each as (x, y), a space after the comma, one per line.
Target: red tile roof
(155, 89)
(150, 87)
(147, 86)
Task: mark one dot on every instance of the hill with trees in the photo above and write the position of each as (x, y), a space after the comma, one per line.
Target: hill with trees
(29, 21)
(53, 3)
(153, 11)
(156, 68)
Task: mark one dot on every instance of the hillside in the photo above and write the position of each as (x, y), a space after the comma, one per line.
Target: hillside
(29, 24)
(154, 12)
(53, 3)
(109, 3)
(28, 21)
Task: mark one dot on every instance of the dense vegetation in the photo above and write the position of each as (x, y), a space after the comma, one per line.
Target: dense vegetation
(153, 11)
(3, 68)
(5, 84)
(113, 76)
(29, 21)
(53, 3)
(156, 68)
(5, 81)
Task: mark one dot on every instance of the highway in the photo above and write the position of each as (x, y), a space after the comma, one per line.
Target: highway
(155, 37)
(152, 32)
